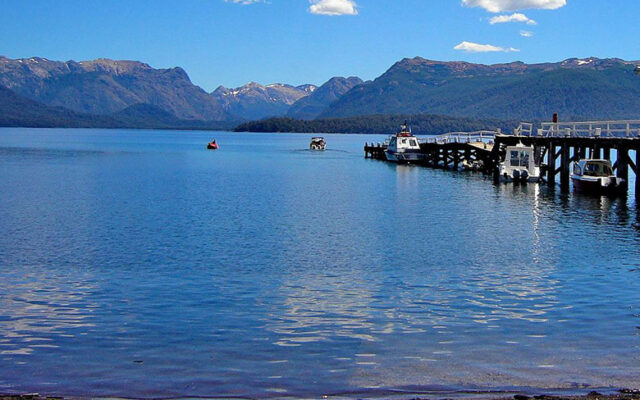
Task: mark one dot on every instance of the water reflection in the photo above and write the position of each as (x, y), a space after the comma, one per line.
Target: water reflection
(321, 307)
(260, 270)
(38, 308)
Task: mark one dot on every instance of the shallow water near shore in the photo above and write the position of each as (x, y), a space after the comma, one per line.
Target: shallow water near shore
(139, 264)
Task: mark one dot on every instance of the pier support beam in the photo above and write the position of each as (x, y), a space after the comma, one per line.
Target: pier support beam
(623, 167)
(637, 191)
(565, 160)
(551, 164)
(456, 159)
(606, 153)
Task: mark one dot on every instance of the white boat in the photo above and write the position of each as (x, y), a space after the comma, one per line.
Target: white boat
(403, 147)
(519, 165)
(595, 176)
(317, 143)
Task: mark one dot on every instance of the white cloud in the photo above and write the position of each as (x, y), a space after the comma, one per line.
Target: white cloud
(333, 7)
(526, 33)
(516, 17)
(471, 47)
(496, 6)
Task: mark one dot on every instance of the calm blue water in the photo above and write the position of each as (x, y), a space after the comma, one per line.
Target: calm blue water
(136, 263)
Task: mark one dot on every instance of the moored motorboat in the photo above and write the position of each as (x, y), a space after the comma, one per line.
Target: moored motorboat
(317, 143)
(404, 147)
(212, 145)
(519, 165)
(595, 176)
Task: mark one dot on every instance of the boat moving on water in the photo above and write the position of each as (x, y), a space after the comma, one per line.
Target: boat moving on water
(519, 165)
(595, 176)
(212, 145)
(404, 147)
(317, 143)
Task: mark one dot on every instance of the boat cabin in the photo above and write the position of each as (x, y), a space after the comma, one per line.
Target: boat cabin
(403, 147)
(595, 176)
(317, 143)
(519, 164)
(401, 143)
(598, 168)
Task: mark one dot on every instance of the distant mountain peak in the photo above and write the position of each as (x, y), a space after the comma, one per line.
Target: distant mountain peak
(220, 90)
(462, 66)
(307, 87)
(311, 106)
(256, 101)
(118, 67)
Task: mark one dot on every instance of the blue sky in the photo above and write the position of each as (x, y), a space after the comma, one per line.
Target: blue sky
(232, 42)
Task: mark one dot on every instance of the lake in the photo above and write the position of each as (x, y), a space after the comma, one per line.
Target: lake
(139, 264)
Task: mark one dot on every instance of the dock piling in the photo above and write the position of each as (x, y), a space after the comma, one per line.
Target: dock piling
(565, 161)
(623, 167)
(552, 156)
(637, 191)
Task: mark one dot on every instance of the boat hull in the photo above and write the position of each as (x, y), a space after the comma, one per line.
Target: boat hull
(596, 185)
(529, 179)
(404, 157)
(521, 175)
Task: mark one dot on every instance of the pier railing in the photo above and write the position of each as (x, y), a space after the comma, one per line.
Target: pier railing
(595, 129)
(462, 137)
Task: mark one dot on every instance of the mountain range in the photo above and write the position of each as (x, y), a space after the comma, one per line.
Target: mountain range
(109, 93)
(106, 86)
(255, 101)
(19, 111)
(575, 88)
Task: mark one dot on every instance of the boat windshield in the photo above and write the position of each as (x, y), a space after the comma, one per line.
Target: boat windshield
(519, 158)
(576, 169)
(597, 169)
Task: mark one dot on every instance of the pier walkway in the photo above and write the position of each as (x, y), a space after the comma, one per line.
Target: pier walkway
(556, 146)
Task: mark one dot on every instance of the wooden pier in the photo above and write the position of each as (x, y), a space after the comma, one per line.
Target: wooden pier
(556, 145)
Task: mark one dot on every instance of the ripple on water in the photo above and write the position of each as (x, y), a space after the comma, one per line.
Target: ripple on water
(151, 268)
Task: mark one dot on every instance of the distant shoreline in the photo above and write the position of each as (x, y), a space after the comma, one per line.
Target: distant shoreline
(421, 124)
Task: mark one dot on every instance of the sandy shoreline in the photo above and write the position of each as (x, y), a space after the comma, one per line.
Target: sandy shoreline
(622, 394)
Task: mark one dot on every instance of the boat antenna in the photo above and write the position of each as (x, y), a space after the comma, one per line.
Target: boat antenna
(405, 126)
